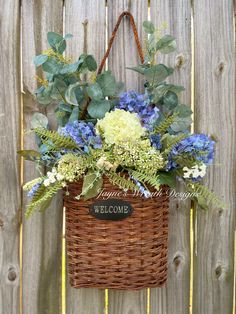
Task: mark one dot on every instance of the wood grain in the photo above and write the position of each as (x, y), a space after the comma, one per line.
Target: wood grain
(90, 38)
(124, 51)
(10, 199)
(124, 54)
(215, 114)
(174, 297)
(42, 232)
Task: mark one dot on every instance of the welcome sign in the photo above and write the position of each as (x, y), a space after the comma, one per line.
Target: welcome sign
(111, 209)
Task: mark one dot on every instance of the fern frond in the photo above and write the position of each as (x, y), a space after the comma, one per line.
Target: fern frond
(173, 142)
(205, 196)
(42, 196)
(121, 181)
(164, 126)
(147, 178)
(185, 161)
(58, 140)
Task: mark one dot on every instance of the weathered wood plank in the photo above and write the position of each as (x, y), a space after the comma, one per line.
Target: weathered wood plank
(42, 232)
(124, 54)
(215, 114)
(174, 297)
(10, 199)
(124, 51)
(90, 38)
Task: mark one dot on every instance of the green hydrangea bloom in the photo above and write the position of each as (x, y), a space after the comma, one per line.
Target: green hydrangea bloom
(71, 167)
(120, 126)
(140, 156)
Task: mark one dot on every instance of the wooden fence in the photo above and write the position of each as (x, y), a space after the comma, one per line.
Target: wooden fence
(201, 275)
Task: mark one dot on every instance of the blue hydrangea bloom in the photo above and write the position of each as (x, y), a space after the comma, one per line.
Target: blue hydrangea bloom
(156, 140)
(83, 133)
(33, 190)
(199, 146)
(139, 103)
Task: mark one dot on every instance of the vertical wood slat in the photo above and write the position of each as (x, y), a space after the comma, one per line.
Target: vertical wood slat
(85, 301)
(42, 232)
(9, 167)
(124, 54)
(174, 297)
(215, 114)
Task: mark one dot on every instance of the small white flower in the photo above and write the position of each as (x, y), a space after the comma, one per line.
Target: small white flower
(186, 175)
(59, 177)
(101, 161)
(46, 182)
(194, 172)
(63, 184)
(54, 170)
(52, 179)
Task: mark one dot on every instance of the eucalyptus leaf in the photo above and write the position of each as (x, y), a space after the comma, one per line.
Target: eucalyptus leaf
(65, 107)
(170, 100)
(39, 120)
(58, 89)
(140, 69)
(148, 27)
(62, 117)
(158, 92)
(43, 98)
(157, 73)
(57, 42)
(183, 111)
(74, 94)
(166, 44)
(70, 68)
(175, 88)
(97, 109)
(40, 59)
(95, 92)
(39, 90)
(90, 63)
(52, 65)
(49, 77)
(107, 83)
(92, 185)
(181, 124)
(74, 115)
(43, 95)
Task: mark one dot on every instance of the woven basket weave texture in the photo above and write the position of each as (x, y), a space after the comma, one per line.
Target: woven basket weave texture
(127, 254)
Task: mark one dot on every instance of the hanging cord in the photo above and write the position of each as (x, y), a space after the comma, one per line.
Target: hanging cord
(138, 44)
(136, 37)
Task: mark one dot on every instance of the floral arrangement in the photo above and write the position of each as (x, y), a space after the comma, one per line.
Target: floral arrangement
(136, 140)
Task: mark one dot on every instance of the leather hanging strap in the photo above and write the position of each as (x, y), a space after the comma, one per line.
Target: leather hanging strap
(134, 28)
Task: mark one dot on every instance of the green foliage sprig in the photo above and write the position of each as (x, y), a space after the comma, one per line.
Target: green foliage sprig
(172, 141)
(146, 178)
(59, 141)
(134, 151)
(164, 125)
(204, 196)
(121, 181)
(42, 197)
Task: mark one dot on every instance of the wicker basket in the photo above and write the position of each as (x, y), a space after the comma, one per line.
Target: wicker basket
(127, 254)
